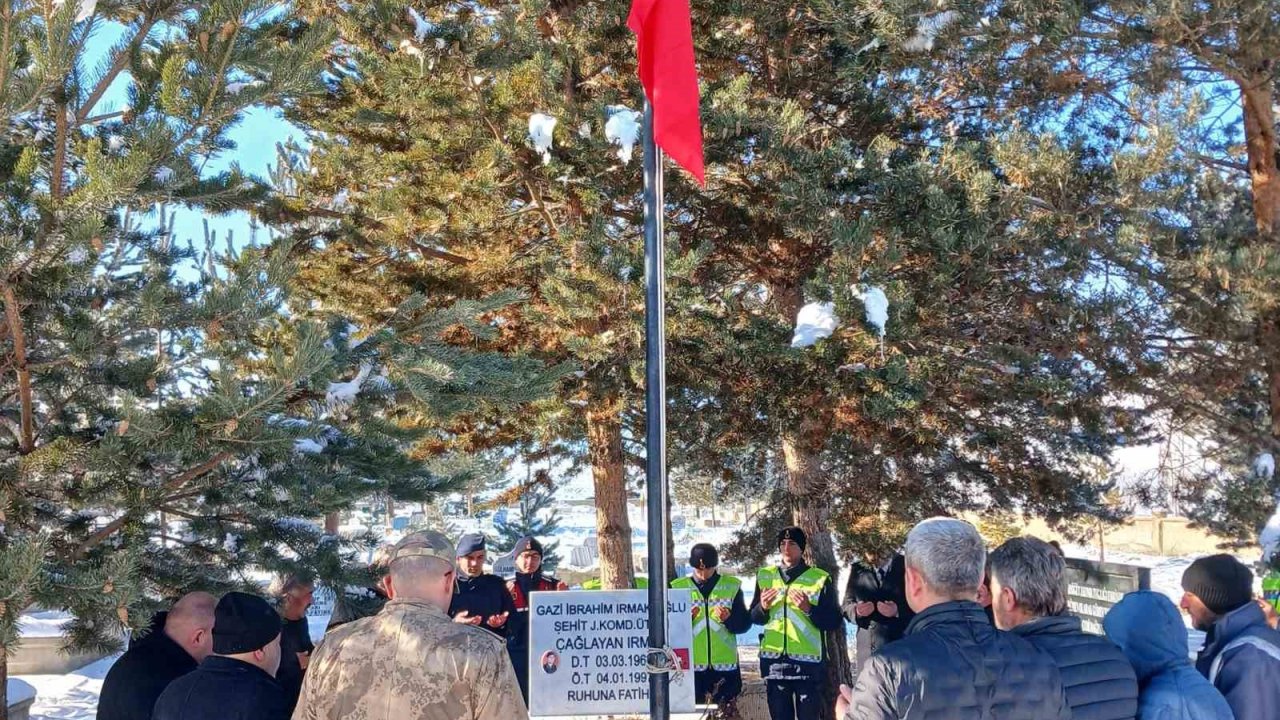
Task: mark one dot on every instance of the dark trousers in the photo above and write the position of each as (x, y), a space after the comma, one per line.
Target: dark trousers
(794, 699)
(520, 663)
(717, 686)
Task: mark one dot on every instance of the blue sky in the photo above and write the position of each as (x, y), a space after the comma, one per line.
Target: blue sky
(255, 138)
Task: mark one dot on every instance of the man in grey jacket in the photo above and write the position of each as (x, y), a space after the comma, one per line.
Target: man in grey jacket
(952, 664)
(1029, 596)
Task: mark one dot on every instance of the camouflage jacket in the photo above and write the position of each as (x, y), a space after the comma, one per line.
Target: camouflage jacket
(410, 662)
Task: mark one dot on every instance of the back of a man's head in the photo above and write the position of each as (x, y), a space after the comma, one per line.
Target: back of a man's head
(947, 556)
(1027, 581)
(189, 623)
(421, 568)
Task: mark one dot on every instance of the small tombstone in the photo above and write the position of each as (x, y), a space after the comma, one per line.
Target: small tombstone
(504, 565)
(1094, 587)
(581, 557)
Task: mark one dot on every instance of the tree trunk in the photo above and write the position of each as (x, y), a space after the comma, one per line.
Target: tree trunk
(1102, 543)
(1260, 142)
(13, 316)
(4, 683)
(613, 527)
(331, 523)
(1257, 100)
(1269, 341)
(807, 488)
(671, 542)
(391, 512)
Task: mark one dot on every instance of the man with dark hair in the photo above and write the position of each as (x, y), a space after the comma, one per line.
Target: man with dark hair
(952, 662)
(479, 598)
(178, 640)
(719, 616)
(1029, 597)
(875, 600)
(528, 579)
(795, 603)
(236, 682)
(294, 594)
(1241, 656)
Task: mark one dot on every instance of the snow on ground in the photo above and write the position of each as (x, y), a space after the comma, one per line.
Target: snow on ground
(73, 696)
(43, 623)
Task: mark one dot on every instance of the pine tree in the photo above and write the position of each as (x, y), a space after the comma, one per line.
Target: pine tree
(172, 421)
(1168, 109)
(427, 145)
(828, 177)
(100, 339)
(538, 518)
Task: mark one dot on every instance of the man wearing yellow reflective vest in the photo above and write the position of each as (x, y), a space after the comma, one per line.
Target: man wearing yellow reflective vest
(795, 603)
(719, 615)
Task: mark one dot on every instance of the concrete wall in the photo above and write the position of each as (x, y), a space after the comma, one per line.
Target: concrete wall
(44, 656)
(1171, 536)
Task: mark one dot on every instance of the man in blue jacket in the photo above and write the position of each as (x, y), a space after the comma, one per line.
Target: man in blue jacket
(952, 663)
(1029, 598)
(1241, 656)
(1149, 630)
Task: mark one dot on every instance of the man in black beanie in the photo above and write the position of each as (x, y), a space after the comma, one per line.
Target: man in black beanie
(796, 604)
(236, 682)
(719, 616)
(479, 598)
(1241, 656)
(528, 579)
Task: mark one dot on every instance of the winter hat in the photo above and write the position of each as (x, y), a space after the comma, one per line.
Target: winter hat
(704, 556)
(243, 623)
(525, 544)
(424, 543)
(1221, 582)
(795, 535)
(469, 543)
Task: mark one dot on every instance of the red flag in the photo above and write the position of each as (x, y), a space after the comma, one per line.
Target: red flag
(664, 39)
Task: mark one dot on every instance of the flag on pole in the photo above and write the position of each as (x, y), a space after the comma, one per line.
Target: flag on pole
(664, 39)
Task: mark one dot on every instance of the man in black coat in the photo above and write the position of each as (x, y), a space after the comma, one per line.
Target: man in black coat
(1029, 597)
(294, 593)
(952, 664)
(177, 641)
(479, 598)
(236, 682)
(875, 599)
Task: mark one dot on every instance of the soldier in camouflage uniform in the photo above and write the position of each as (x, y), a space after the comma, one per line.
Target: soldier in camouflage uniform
(410, 661)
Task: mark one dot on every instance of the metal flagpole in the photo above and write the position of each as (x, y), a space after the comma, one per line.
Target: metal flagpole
(655, 391)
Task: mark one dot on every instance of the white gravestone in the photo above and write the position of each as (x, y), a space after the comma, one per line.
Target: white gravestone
(587, 652)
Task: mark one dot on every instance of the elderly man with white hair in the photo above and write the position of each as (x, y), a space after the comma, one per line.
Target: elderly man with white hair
(952, 664)
(410, 661)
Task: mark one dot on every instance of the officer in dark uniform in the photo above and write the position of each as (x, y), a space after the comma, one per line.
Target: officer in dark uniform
(479, 598)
